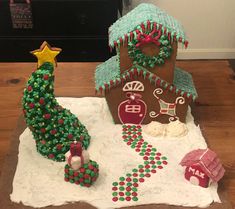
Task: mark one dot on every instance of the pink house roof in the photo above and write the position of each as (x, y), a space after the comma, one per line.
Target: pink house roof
(208, 161)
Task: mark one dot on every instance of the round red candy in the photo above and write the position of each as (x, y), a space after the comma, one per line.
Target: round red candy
(43, 130)
(41, 101)
(70, 136)
(128, 179)
(135, 184)
(31, 105)
(164, 162)
(114, 188)
(43, 141)
(75, 174)
(122, 183)
(121, 193)
(81, 179)
(60, 121)
(51, 156)
(45, 77)
(128, 198)
(134, 194)
(86, 176)
(82, 170)
(66, 179)
(147, 175)
(91, 167)
(153, 171)
(128, 189)
(135, 174)
(59, 146)
(66, 170)
(47, 116)
(141, 170)
(53, 132)
(141, 180)
(147, 166)
(29, 88)
(115, 199)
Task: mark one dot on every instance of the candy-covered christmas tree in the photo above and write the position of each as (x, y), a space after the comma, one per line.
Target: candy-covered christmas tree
(53, 127)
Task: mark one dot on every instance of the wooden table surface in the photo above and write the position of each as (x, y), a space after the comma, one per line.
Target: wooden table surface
(214, 110)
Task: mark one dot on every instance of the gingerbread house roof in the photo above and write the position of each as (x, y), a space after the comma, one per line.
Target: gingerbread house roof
(108, 76)
(208, 161)
(145, 16)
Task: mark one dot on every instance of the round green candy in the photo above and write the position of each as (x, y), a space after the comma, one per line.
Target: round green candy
(122, 178)
(121, 198)
(127, 193)
(134, 170)
(134, 189)
(129, 184)
(115, 183)
(135, 198)
(140, 166)
(115, 194)
(88, 171)
(121, 188)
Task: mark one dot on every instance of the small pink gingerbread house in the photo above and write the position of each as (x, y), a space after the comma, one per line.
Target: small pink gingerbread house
(202, 165)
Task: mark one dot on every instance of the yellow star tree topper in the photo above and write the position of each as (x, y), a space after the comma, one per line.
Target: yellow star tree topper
(46, 53)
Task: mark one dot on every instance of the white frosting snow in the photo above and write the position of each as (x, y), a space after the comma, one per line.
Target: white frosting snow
(174, 128)
(37, 180)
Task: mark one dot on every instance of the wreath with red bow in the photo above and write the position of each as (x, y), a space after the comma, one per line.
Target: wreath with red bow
(155, 37)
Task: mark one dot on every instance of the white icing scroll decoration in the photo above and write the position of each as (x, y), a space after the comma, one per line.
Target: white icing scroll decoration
(133, 86)
(165, 107)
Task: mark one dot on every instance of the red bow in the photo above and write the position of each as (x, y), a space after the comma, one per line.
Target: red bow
(133, 96)
(149, 38)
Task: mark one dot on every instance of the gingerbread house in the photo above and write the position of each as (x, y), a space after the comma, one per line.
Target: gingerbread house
(141, 83)
(202, 167)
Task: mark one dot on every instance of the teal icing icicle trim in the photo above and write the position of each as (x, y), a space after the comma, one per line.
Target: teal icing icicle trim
(141, 15)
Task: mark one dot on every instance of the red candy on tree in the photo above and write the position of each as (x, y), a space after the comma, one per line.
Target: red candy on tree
(29, 88)
(70, 136)
(43, 130)
(41, 101)
(59, 146)
(46, 77)
(31, 105)
(82, 170)
(60, 121)
(51, 156)
(43, 141)
(47, 116)
(53, 132)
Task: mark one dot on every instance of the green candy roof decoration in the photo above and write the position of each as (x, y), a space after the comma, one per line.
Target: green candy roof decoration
(52, 126)
(145, 16)
(182, 84)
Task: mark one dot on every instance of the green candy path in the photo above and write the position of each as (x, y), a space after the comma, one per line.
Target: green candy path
(53, 126)
(126, 188)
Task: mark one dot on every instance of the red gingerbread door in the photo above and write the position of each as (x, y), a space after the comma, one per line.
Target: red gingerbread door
(132, 110)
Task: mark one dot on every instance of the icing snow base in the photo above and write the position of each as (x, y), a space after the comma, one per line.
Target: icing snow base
(38, 182)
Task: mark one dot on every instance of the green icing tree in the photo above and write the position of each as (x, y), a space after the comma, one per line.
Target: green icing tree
(53, 126)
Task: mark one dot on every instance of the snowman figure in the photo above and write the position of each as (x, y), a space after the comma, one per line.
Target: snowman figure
(76, 156)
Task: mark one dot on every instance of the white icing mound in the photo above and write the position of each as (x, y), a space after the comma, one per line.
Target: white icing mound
(173, 129)
(38, 182)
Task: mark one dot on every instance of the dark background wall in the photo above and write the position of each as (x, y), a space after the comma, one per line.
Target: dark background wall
(79, 27)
